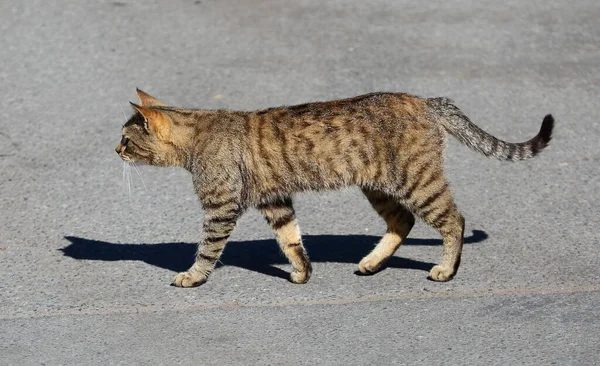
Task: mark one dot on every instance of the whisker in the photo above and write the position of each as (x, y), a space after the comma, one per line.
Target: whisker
(124, 115)
(139, 174)
(129, 181)
(124, 180)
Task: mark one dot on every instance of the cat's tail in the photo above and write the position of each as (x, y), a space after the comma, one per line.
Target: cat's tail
(459, 126)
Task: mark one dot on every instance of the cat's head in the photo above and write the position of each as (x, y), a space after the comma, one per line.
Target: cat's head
(151, 136)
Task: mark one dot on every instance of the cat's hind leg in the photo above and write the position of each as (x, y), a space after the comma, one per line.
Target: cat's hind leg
(451, 225)
(429, 197)
(399, 223)
(281, 217)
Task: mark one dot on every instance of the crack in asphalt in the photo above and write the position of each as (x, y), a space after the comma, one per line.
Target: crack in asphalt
(145, 309)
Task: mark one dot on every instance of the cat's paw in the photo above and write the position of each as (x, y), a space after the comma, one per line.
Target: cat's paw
(441, 273)
(301, 276)
(188, 279)
(369, 265)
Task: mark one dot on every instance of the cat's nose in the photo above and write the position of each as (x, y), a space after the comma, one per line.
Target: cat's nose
(119, 148)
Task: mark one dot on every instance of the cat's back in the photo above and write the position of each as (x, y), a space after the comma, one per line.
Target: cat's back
(366, 115)
(367, 108)
(332, 143)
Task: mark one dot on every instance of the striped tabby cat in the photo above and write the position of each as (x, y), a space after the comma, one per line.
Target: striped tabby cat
(388, 144)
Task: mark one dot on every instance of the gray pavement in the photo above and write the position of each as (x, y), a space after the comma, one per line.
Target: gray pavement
(85, 266)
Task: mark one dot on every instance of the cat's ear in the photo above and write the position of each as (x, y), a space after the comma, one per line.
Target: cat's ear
(146, 100)
(154, 121)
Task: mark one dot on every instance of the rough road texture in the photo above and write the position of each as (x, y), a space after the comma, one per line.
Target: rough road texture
(85, 268)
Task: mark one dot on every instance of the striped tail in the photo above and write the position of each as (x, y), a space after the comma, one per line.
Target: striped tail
(459, 126)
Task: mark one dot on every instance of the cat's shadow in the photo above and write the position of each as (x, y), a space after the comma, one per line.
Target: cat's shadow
(254, 255)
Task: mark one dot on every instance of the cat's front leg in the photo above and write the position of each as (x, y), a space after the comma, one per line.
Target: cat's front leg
(219, 222)
(281, 217)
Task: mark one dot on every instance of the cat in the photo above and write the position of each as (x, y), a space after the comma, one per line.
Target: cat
(390, 145)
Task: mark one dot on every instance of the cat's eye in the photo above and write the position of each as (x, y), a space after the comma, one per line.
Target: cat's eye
(124, 141)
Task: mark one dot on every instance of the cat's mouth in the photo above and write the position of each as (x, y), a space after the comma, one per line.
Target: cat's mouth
(130, 156)
(120, 149)
(124, 157)
(129, 159)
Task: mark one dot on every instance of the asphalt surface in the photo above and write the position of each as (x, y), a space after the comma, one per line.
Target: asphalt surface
(85, 266)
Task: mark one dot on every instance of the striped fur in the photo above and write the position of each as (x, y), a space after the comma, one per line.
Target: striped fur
(388, 144)
(459, 126)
